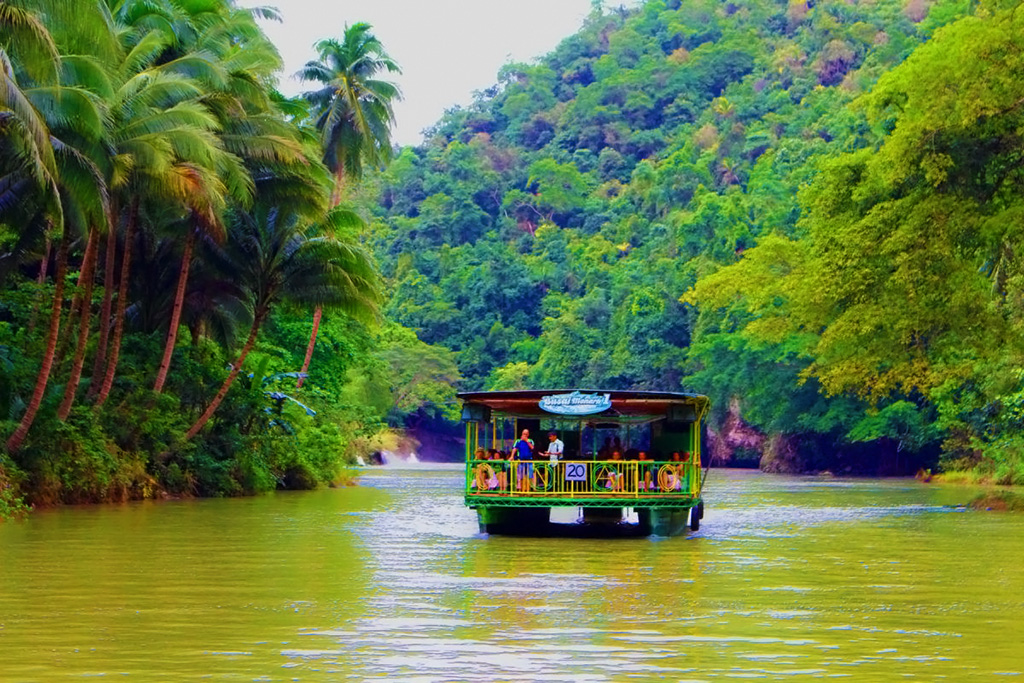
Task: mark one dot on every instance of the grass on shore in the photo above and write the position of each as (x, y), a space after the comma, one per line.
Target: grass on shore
(1000, 500)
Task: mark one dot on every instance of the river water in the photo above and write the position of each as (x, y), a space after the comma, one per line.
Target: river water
(789, 578)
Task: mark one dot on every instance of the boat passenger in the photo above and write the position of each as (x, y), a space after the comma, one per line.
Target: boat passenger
(555, 448)
(522, 450)
(500, 468)
(615, 476)
(677, 461)
(647, 471)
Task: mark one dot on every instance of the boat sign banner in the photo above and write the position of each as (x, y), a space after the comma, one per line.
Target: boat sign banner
(576, 403)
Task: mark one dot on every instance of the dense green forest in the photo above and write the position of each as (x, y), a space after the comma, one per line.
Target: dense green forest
(171, 229)
(804, 209)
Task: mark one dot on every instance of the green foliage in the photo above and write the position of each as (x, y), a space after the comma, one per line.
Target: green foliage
(11, 503)
(419, 376)
(154, 134)
(549, 233)
(901, 286)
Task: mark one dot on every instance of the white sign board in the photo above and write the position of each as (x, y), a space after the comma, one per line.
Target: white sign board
(575, 471)
(576, 403)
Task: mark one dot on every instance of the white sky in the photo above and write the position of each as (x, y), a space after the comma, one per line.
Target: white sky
(446, 48)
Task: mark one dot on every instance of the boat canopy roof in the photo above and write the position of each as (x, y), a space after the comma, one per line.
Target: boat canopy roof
(589, 405)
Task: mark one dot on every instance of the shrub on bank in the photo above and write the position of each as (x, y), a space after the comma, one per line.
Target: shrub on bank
(11, 503)
(999, 462)
(132, 448)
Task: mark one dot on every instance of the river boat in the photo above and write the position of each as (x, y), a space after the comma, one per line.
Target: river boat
(627, 455)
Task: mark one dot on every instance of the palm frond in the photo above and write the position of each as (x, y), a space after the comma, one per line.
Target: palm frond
(25, 33)
(14, 100)
(69, 108)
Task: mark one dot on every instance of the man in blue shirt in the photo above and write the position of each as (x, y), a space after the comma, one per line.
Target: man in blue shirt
(522, 450)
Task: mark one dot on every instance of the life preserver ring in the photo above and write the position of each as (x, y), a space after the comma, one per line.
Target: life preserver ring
(483, 475)
(668, 478)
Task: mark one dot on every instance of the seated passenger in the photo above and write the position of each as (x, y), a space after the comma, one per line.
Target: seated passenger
(647, 472)
(616, 480)
(500, 468)
(675, 480)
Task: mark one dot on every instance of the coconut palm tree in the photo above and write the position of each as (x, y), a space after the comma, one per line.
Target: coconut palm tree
(60, 120)
(353, 113)
(280, 257)
(250, 127)
(353, 107)
(166, 153)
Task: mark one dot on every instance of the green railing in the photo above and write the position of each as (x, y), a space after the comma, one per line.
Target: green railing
(583, 480)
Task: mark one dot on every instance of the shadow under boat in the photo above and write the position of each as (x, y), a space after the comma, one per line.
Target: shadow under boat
(601, 522)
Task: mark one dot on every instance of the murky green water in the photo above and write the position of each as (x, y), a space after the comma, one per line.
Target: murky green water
(789, 579)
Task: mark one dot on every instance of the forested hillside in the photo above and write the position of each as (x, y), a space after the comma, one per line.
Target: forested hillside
(570, 227)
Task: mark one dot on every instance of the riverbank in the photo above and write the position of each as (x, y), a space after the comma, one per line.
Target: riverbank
(17, 499)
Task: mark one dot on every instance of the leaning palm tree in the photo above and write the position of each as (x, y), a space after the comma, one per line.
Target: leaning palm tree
(249, 126)
(278, 257)
(353, 113)
(166, 153)
(57, 122)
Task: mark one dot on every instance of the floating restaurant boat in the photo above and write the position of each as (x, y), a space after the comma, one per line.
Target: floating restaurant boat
(623, 452)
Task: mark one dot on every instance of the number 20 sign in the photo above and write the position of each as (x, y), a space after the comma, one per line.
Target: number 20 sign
(575, 471)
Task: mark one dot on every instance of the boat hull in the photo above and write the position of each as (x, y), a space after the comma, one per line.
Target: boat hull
(594, 522)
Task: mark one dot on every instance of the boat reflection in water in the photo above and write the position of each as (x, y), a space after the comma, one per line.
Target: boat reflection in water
(630, 462)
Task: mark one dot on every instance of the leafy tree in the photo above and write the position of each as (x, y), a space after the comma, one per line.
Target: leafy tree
(279, 258)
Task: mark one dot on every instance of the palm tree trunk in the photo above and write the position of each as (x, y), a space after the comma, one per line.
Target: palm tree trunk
(309, 347)
(100, 363)
(122, 302)
(43, 266)
(179, 300)
(46, 262)
(224, 388)
(84, 275)
(87, 278)
(336, 194)
(18, 437)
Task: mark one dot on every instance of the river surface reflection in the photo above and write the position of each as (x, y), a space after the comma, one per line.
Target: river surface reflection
(789, 578)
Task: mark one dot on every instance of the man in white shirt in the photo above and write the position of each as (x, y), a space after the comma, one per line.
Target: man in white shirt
(555, 448)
